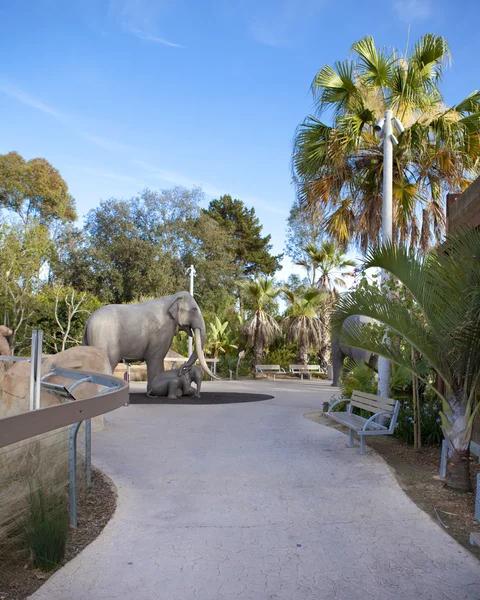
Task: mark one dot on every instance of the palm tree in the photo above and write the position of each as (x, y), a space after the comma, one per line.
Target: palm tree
(339, 166)
(261, 329)
(329, 262)
(220, 339)
(302, 324)
(444, 330)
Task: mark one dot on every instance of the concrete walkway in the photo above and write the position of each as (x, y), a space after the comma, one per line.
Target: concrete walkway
(254, 502)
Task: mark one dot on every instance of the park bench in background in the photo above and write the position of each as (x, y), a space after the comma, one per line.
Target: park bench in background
(379, 406)
(266, 369)
(302, 370)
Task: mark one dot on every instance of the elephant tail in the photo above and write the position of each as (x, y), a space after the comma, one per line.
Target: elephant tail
(85, 338)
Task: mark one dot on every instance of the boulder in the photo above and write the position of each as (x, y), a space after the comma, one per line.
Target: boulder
(16, 381)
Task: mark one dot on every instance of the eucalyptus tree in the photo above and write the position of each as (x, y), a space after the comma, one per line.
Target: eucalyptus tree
(261, 328)
(337, 161)
(302, 323)
(443, 329)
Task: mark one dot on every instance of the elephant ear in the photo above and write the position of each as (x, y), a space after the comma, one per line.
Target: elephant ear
(173, 309)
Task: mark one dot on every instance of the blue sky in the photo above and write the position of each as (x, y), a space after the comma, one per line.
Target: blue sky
(124, 94)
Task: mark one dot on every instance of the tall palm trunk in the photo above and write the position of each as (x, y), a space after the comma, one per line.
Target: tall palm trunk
(458, 432)
(257, 344)
(302, 352)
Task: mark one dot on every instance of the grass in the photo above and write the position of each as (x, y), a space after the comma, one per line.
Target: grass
(47, 528)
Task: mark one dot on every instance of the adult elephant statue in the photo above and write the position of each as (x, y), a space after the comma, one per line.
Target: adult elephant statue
(340, 351)
(145, 331)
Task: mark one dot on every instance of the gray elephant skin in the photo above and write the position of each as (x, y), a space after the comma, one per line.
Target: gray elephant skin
(340, 351)
(144, 331)
(177, 382)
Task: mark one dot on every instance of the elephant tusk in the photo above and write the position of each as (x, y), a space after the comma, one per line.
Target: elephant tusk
(201, 357)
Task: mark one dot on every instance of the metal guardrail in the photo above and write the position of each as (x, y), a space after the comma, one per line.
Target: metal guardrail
(71, 412)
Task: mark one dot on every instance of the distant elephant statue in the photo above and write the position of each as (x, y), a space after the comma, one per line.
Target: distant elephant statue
(177, 382)
(340, 351)
(145, 331)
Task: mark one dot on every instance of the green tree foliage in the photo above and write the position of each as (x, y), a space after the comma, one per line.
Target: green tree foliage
(304, 228)
(61, 312)
(34, 189)
(143, 246)
(24, 252)
(251, 249)
(220, 338)
(261, 328)
(338, 167)
(302, 324)
(327, 265)
(443, 330)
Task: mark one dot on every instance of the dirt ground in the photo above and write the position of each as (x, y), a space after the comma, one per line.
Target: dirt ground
(415, 471)
(96, 506)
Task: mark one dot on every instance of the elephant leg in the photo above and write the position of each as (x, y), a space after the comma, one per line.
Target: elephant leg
(337, 364)
(173, 390)
(154, 367)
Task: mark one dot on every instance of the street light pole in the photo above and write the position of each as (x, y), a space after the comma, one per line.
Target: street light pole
(385, 131)
(190, 271)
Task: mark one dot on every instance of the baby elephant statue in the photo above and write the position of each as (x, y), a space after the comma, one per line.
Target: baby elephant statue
(177, 382)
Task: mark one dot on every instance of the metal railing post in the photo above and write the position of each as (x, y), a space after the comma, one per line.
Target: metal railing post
(88, 451)
(38, 368)
(73, 473)
(443, 460)
(477, 499)
(33, 366)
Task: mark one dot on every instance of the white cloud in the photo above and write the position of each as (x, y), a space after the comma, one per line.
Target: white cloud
(142, 19)
(209, 188)
(25, 98)
(154, 38)
(413, 10)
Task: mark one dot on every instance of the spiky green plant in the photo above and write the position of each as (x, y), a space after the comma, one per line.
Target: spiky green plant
(329, 263)
(302, 323)
(47, 529)
(261, 329)
(444, 330)
(339, 166)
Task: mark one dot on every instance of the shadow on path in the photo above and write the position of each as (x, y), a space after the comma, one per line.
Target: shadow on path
(205, 398)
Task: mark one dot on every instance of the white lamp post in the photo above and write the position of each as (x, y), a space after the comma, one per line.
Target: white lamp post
(384, 129)
(190, 271)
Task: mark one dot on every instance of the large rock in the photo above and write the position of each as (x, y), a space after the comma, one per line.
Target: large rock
(15, 383)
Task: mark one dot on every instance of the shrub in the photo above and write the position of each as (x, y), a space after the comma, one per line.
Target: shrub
(47, 529)
(430, 423)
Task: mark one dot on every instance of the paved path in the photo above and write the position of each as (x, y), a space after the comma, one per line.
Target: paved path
(255, 502)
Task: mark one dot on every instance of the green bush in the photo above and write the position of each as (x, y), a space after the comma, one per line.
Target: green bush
(47, 529)
(430, 423)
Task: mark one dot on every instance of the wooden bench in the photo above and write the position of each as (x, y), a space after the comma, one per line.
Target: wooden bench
(380, 406)
(304, 370)
(266, 369)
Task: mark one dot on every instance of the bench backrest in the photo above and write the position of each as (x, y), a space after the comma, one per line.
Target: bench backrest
(371, 402)
(267, 367)
(304, 367)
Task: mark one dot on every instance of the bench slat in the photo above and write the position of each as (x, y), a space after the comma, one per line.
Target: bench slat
(374, 401)
(355, 421)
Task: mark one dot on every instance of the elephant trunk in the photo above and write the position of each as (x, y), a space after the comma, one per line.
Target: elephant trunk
(199, 352)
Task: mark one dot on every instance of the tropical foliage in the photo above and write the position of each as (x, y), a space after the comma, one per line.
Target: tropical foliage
(443, 329)
(260, 329)
(327, 266)
(302, 323)
(338, 166)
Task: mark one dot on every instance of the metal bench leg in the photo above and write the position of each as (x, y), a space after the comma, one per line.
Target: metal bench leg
(351, 442)
(362, 444)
